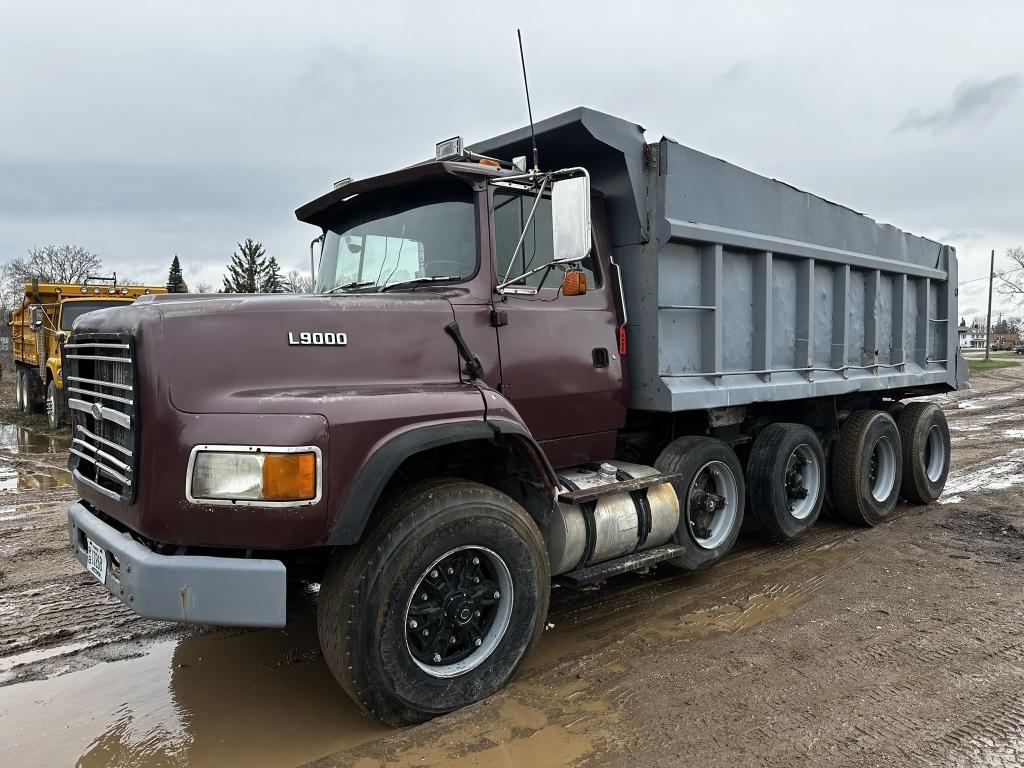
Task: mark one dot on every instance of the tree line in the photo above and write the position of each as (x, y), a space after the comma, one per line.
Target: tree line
(250, 270)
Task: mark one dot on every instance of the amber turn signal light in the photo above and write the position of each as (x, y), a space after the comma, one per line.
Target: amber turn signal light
(574, 283)
(289, 476)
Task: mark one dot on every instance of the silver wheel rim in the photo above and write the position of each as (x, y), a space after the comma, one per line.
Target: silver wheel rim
(882, 469)
(711, 500)
(494, 632)
(802, 482)
(935, 455)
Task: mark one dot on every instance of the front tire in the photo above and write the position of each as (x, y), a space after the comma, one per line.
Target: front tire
(480, 561)
(19, 390)
(56, 412)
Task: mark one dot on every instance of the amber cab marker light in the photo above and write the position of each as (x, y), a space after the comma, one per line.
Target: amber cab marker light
(574, 283)
(289, 476)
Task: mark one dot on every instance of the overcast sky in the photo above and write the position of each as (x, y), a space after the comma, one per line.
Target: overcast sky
(140, 130)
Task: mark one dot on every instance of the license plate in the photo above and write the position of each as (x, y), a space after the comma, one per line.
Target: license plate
(97, 562)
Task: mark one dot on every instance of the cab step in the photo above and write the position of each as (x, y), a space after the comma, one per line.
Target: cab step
(632, 562)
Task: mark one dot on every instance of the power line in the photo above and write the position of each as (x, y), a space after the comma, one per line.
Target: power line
(998, 274)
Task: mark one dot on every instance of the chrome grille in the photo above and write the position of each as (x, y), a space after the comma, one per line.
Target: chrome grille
(99, 377)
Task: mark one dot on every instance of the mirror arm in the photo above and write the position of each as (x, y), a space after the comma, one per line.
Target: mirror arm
(522, 237)
(557, 262)
(312, 263)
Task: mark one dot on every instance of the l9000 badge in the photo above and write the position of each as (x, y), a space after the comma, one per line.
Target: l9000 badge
(316, 339)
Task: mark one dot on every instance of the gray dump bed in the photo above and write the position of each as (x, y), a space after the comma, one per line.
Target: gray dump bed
(742, 289)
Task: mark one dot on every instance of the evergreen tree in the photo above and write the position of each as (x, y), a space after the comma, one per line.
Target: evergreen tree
(270, 281)
(247, 268)
(175, 280)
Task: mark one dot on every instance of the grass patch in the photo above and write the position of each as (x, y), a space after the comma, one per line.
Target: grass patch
(979, 366)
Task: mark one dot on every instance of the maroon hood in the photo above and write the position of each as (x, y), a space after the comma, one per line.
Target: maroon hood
(202, 346)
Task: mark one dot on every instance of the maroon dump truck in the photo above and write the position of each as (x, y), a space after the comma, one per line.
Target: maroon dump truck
(508, 376)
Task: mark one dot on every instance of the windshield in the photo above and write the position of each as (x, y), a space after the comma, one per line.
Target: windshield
(72, 310)
(401, 235)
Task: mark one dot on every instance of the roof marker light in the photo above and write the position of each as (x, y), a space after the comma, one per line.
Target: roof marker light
(449, 149)
(342, 182)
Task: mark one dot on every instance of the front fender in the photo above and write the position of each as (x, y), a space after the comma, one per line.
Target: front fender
(427, 428)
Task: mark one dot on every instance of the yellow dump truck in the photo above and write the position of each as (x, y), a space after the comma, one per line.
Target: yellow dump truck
(39, 327)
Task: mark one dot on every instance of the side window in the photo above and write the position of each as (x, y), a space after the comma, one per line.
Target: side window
(511, 211)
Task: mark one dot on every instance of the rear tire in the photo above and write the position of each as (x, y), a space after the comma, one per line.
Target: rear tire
(711, 496)
(786, 480)
(924, 434)
(378, 638)
(867, 467)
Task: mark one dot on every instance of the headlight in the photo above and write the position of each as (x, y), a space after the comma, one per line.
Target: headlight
(235, 473)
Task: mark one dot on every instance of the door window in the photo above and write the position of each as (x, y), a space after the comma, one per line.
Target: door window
(511, 212)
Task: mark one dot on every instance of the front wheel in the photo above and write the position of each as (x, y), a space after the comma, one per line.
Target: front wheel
(439, 605)
(56, 412)
(19, 390)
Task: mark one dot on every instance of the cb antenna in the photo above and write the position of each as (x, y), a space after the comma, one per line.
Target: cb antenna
(529, 109)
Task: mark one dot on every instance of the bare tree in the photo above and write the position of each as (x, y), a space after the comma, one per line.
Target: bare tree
(49, 264)
(203, 287)
(55, 264)
(1011, 281)
(297, 281)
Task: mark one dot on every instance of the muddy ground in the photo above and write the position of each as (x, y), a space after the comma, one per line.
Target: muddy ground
(899, 645)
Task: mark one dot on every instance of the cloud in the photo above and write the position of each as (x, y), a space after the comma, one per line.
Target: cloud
(974, 101)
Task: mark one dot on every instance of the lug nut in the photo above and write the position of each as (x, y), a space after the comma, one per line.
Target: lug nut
(413, 624)
(476, 561)
(423, 596)
(497, 595)
(426, 632)
(433, 574)
(478, 613)
(476, 579)
(478, 642)
(452, 641)
(451, 571)
(437, 658)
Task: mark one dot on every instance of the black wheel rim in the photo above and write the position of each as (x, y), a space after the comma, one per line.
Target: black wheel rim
(459, 611)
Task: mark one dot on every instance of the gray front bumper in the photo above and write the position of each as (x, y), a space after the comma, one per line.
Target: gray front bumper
(196, 589)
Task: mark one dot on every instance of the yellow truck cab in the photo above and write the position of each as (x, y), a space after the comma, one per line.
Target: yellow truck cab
(39, 327)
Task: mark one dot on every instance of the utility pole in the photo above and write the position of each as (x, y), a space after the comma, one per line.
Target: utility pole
(988, 319)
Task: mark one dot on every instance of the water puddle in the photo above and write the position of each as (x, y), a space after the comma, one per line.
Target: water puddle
(259, 698)
(32, 478)
(18, 439)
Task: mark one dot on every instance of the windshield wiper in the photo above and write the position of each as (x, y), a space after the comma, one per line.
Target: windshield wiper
(420, 280)
(350, 286)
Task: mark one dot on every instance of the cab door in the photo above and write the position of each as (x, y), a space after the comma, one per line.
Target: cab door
(560, 365)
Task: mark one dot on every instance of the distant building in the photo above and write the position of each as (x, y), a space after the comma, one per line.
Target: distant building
(977, 336)
(963, 333)
(1003, 340)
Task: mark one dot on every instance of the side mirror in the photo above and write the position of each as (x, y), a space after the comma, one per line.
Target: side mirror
(36, 317)
(570, 217)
